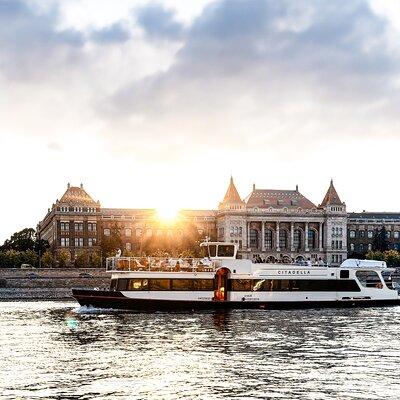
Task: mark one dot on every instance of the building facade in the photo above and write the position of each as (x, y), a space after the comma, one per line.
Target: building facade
(269, 224)
(283, 225)
(363, 228)
(76, 223)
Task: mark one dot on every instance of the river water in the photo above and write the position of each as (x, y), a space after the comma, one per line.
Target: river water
(55, 350)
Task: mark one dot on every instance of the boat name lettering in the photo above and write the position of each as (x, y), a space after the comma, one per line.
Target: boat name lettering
(293, 272)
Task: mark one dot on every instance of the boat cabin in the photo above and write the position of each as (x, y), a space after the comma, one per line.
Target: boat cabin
(219, 250)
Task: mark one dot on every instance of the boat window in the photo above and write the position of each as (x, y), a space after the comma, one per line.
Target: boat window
(182, 284)
(203, 284)
(226, 250)
(369, 279)
(241, 285)
(113, 284)
(138, 284)
(212, 250)
(159, 284)
(387, 277)
(303, 285)
(344, 274)
(122, 284)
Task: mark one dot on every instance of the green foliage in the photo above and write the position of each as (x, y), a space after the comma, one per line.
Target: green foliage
(81, 260)
(95, 260)
(47, 259)
(29, 257)
(110, 244)
(63, 258)
(380, 242)
(21, 241)
(392, 257)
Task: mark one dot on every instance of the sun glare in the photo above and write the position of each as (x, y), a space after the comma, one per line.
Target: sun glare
(168, 213)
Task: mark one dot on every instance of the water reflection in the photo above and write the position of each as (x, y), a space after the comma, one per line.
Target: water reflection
(55, 351)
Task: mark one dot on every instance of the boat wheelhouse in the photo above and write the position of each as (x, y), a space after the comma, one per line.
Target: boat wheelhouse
(220, 280)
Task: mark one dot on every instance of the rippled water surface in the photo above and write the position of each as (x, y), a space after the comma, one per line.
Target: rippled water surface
(58, 351)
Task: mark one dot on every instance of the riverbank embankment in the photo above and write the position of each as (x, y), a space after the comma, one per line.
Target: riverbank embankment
(49, 283)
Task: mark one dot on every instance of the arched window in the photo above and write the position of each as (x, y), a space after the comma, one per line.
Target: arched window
(283, 239)
(297, 239)
(312, 239)
(268, 239)
(254, 238)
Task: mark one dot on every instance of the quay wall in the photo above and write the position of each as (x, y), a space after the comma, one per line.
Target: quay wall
(48, 283)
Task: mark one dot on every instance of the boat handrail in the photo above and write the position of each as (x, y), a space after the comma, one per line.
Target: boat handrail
(161, 264)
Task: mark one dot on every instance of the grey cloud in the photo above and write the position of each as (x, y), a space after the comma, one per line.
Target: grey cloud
(332, 52)
(115, 33)
(159, 22)
(30, 44)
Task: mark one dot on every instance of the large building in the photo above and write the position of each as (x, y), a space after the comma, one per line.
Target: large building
(76, 223)
(283, 225)
(364, 226)
(269, 224)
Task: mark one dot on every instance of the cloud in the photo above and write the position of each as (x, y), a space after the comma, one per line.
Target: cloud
(159, 23)
(251, 73)
(30, 42)
(115, 33)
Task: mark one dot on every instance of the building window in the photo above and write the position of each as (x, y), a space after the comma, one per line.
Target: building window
(64, 226)
(352, 234)
(362, 234)
(107, 232)
(297, 239)
(78, 226)
(91, 242)
(312, 239)
(283, 239)
(370, 234)
(254, 238)
(78, 242)
(352, 246)
(128, 232)
(92, 226)
(138, 232)
(128, 246)
(268, 239)
(64, 242)
(361, 247)
(388, 234)
(396, 234)
(369, 246)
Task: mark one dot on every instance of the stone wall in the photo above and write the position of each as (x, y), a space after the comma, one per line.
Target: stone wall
(48, 283)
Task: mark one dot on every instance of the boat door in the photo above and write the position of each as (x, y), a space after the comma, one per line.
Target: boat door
(221, 284)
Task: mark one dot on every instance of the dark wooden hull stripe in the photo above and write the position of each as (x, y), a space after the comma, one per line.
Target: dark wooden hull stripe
(116, 300)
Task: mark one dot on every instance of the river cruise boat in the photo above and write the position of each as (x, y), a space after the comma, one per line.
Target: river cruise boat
(221, 281)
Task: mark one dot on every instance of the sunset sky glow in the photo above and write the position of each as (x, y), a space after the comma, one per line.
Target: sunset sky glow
(157, 104)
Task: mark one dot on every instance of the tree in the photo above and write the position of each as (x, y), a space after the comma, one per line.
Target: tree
(110, 244)
(81, 259)
(21, 241)
(47, 259)
(95, 260)
(380, 242)
(29, 257)
(63, 258)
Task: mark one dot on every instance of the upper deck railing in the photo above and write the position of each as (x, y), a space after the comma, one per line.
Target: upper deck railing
(159, 264)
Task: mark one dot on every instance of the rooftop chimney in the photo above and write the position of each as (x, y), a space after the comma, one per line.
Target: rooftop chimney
(68, 185)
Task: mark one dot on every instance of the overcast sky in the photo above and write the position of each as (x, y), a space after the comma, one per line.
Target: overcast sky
(152, 103)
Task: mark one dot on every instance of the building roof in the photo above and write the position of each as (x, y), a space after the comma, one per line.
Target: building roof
(77, 196)
(331, 198)
(374, 215)
(232, 195)
(264, 198)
